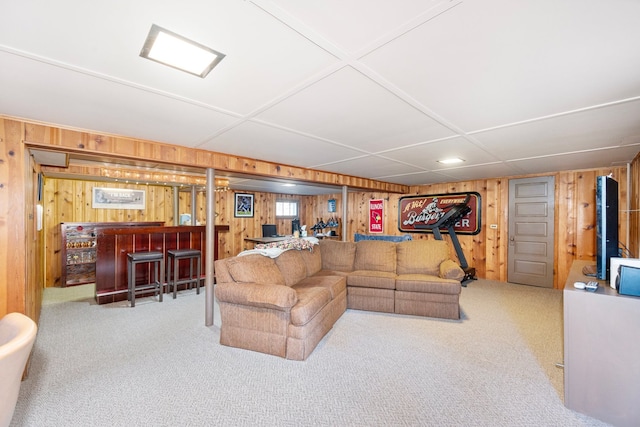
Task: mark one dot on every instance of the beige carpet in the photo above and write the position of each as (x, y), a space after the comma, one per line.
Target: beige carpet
(157, 364)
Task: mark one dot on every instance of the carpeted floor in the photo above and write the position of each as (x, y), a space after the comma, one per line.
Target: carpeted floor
(157, 364)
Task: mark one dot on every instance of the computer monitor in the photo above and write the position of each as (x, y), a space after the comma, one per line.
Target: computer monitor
(269, 230)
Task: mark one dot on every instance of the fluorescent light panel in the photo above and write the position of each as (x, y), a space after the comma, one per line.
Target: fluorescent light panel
(173, 50)
(451, 161)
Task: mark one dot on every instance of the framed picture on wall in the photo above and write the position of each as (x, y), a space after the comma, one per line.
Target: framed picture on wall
(243, 207)
(118, 198)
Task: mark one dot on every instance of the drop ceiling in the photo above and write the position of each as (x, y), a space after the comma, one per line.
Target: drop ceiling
(376, 89)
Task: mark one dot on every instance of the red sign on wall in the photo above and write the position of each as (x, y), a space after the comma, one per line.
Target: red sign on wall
(376, 214)
(419, 213)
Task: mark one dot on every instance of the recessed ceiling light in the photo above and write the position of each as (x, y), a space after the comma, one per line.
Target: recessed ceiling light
(175, 51)
(451, 161)
(288, 185)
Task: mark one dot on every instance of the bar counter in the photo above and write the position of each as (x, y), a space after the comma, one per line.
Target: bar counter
(113, 245)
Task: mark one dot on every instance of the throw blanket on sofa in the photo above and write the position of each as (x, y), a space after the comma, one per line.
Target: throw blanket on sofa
(274, 249)
(293, 243)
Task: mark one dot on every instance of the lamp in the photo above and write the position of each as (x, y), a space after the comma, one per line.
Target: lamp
(178, 52)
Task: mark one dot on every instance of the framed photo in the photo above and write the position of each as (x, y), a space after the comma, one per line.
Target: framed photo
(118, 198)
(243, 207)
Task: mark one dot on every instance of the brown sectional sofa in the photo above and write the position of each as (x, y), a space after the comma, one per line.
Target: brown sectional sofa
(285, 305)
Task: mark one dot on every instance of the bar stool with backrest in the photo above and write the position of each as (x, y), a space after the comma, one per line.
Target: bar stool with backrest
(155, 283)
(173, 259)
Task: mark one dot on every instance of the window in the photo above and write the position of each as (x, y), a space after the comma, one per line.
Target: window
(286, 208)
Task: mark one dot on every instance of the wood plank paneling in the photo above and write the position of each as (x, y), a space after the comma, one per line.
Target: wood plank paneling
(117, 147)
(70, 200)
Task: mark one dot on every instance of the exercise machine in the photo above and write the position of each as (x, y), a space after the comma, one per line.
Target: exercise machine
(448, 220)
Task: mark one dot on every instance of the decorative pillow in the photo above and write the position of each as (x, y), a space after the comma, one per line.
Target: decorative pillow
(421, 256)
(375, 255)
(255, 268)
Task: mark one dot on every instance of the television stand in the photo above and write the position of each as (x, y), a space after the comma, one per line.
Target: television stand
(601, 348)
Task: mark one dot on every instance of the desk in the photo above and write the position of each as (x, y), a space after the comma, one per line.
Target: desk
(601, 350)
(267, 239)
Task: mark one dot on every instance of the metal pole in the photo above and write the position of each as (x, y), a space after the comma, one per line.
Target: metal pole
(210, 236)
(344, 213)
(176, 206)
(193, 206)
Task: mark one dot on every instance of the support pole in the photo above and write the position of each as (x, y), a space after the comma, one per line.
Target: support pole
(194, 211)
(176, 205)
(344, 213)
(210, 245)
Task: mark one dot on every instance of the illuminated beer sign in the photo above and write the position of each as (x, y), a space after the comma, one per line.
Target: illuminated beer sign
(419, 214)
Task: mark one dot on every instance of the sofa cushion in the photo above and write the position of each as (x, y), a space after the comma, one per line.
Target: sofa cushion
(255, 268)
(291, 266)
(425, 283)
(375, 255)
(372, 279)
(313, 260)
(257, 295)
(310, 302)
(421, 256)
(335, 284)
(337, 255)
(450, 270)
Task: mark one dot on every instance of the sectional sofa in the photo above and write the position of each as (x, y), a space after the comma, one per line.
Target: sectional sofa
(285, 304)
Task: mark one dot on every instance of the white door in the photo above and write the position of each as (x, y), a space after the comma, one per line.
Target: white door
(531, 231)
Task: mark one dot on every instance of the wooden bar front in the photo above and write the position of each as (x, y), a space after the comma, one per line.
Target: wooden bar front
(113, 245)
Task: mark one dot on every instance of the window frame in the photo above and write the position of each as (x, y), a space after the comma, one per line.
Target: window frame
(288, 201)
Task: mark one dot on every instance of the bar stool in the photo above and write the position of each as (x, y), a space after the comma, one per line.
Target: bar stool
(174, 256)
(154, 258)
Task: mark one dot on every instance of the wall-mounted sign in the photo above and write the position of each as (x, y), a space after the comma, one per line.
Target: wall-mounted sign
(331, 205)
(376, 215)
(417, 213)
(118, 198)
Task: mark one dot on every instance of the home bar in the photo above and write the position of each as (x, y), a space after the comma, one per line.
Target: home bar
(114, 244)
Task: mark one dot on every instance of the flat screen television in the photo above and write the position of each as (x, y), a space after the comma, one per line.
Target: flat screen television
(606, 224)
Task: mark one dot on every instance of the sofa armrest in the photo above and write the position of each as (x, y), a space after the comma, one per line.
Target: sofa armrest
(278, 297)
(450, 270)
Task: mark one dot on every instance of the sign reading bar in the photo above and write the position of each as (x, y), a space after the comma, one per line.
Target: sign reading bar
(376, 214)
(417, 213)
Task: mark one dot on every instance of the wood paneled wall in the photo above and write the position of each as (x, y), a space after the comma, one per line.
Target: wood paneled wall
(21, 271)
(487, 251)
(67, 200)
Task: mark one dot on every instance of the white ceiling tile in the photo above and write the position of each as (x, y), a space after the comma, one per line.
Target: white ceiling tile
(427, 155)
(603, 127)
(353, 24)
(267, 143)
(480, 68)
(369, 167)
(349, 108)
(36, 90)
(586, 160)
(494, 170)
